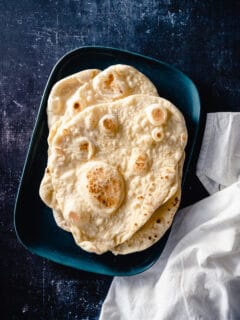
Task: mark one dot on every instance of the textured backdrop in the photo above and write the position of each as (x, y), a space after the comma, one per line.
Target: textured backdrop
(202, 38)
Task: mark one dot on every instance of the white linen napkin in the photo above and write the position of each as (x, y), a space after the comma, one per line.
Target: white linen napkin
(198, 273)
(219, 160)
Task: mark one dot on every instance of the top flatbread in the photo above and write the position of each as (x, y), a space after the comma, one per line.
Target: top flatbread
(65, 101)
(114, 164)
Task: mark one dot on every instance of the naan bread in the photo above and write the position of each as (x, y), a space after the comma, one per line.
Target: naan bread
(156, 226)
(113, 165)
(113, 83)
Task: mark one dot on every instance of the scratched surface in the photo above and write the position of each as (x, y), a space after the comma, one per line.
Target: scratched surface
(199, 37)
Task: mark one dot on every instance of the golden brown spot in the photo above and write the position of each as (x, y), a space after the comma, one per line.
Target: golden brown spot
(48, 170)
(166, 177)
(158, 114)
(105, 187)
(136, 224)
(94, 73)
(109, 80)
(73, 216)
(109, 124)
(120, 89)
(140, 197)
(76, 106)
(183, 138)
(141, 163)
(110, 77)
(84, 147)
(59, 140)
(176, 199)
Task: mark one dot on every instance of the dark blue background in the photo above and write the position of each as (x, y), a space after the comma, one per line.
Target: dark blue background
(201, 38)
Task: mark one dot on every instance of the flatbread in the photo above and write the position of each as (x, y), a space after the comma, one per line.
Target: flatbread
(113, 165)
(116, 82)
(156, 226)
(94, 87)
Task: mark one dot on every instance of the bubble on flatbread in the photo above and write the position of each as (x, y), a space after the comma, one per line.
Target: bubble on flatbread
(157, 115)
(108, 124)
(157, 134)
(86, 149)
(119, 81)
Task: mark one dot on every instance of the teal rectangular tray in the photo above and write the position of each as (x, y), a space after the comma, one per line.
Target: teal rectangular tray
(34, 223)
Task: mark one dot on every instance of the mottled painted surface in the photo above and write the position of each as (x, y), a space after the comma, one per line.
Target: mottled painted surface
(200, 37)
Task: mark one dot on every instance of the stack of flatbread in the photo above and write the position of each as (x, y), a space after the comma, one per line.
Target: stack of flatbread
(115, 159)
